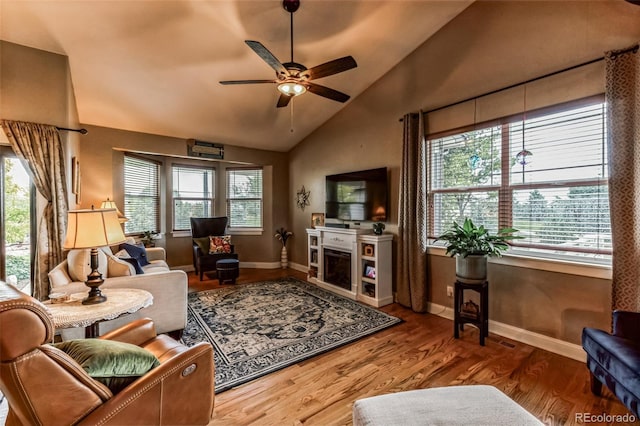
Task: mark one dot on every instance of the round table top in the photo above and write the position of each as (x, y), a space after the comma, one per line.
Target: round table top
(120, 301)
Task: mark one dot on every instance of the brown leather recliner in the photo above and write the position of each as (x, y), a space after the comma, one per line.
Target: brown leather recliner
(44, 386)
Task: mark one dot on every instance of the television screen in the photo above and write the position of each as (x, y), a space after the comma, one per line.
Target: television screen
(357, 195)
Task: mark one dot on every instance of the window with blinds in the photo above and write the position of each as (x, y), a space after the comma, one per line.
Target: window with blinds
(244, 197)
(544, 174)
(141, 195)
(193, 194)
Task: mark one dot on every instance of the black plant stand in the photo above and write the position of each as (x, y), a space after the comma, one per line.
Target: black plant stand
(481, 320)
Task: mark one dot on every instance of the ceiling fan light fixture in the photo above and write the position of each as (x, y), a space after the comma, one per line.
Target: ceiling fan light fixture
(291, 88)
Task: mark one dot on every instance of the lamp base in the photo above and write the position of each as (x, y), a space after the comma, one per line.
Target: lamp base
(94, 300)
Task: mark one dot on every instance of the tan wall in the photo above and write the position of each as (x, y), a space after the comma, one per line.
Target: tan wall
(36, 86)
(488, 46)
(102, 153)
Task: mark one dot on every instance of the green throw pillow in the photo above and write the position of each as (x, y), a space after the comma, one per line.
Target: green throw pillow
(203, 243)
(116, 364)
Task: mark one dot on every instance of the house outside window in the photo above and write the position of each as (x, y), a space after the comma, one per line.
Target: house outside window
(193, 194)
(141, 195)
(548, 180)
(244, 198)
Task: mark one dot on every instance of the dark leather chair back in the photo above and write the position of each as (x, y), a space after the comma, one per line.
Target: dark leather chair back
(206, 226)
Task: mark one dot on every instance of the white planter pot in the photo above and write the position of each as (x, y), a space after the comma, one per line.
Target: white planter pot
(284, 261)
(471, 269)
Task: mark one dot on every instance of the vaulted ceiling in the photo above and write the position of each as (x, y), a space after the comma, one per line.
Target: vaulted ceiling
(154, 66)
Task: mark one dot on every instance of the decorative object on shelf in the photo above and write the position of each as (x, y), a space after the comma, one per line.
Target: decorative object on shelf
(92, 229)
(471, 245)
(378, 228)
(283, 235)
(368, 250)
(108, 204)
(470, 310)
(317, 219)
(303, 198)
(148, 237)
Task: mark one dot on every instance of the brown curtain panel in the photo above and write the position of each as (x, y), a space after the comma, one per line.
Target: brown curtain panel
(412, 283)
(623, 125)
(39, 146)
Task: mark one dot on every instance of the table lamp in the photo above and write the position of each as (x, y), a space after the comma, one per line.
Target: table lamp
(110, 204)
(92, 229)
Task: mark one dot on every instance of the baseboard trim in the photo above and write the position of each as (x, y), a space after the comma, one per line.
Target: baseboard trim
(255, 265)
(560, 347)
(298, 267)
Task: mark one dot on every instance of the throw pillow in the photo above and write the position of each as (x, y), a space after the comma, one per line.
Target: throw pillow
(203, 243)
(79, 264)
(134, 262)
(58, 277)
(221, 244)
(117, 267)
(116, 364)
(137, 252)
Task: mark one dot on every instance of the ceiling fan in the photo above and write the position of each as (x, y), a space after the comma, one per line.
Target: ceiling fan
(294, 79)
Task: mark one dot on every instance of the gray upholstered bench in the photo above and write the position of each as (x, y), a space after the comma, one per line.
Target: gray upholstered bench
(453, 405)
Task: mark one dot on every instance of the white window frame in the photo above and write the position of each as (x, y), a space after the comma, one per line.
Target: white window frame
(203, 198)
(236, 229)
(525, 254)
(130, 183)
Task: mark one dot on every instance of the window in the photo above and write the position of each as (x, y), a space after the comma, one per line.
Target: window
(547, 179)
(141, 195)
(193, 195)
(244, 198)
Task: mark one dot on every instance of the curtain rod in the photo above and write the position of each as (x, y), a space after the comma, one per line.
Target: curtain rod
(83, 131)
(633, 49)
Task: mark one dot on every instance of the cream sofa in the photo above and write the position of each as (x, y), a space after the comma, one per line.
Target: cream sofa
(169, 288)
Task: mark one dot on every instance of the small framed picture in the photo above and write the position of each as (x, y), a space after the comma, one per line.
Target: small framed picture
(370, 271)
(317, 219)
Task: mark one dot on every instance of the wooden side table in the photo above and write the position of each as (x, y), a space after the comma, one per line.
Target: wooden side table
(119, 302)
(481, 320)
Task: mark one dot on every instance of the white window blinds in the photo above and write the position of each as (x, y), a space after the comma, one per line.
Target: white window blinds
(193, 194)
(141, 195)
(244, 197)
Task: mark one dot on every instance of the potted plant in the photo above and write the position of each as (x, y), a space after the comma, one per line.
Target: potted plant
(148, 237)
(471, 245)
(283, 235)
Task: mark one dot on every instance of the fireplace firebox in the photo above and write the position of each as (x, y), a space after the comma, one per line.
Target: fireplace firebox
(337, 268)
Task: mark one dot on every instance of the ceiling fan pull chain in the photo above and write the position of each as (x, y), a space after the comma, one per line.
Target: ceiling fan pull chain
(291, 115)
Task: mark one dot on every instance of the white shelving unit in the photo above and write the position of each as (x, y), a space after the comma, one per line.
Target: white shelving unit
(371, 276)
(313, 239)
(374, 269)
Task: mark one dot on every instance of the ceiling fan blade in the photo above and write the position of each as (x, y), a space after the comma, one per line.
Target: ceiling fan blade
(267, 56)
(283, 100)
(246, 81)
(327, 92)
(332, 67)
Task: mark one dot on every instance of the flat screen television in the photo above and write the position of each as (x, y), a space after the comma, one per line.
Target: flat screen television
(357, 196)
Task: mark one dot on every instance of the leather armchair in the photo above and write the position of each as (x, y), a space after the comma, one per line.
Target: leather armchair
(45, 386)
(205, 227)
(614, 359)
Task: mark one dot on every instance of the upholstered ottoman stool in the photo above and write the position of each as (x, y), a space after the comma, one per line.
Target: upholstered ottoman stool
(228, 270)
(454, 405)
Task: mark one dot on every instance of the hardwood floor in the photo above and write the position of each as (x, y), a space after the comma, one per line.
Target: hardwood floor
(419, 353)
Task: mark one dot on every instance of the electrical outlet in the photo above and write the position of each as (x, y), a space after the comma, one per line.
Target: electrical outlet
(449, 291)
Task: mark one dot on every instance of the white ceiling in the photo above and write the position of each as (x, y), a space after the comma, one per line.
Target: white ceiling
(154, 66)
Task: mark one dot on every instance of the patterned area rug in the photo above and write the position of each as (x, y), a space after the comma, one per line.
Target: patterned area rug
(261, 327)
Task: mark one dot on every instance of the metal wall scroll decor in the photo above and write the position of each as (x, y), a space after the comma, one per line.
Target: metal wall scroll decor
(303, 198)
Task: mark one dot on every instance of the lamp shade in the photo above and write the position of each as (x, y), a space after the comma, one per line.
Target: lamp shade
(93, 228)
(110, 204)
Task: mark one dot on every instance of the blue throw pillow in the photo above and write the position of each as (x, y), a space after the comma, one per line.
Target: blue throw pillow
(137, 251)
(135, 264)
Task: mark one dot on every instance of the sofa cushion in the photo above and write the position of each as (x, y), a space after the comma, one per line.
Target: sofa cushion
(58, 276)
(116, 364)
(79, 264)
(136, 251)
(220, 244)
(156, 266)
